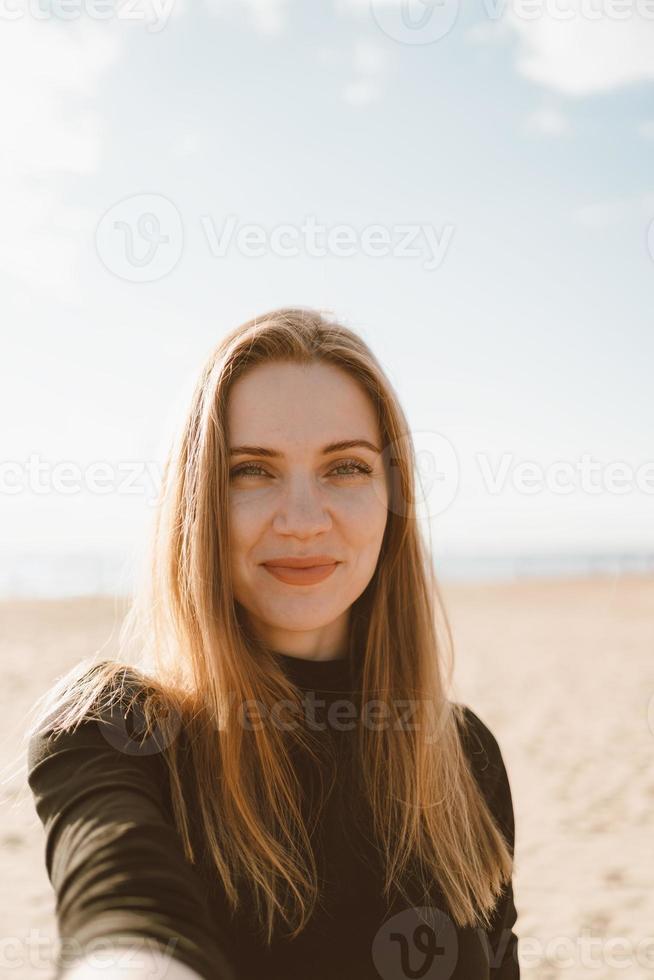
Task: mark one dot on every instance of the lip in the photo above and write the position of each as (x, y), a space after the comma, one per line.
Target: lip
(301, 574)
(306, 561)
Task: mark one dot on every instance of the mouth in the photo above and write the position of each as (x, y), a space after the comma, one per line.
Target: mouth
(300, 561)
(301, 574)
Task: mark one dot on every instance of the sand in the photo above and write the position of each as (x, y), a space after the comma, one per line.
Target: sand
(562, 672)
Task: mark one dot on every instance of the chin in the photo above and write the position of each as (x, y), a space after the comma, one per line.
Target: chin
(280, 617)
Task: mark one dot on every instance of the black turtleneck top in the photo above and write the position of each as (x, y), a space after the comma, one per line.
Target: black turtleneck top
(117, 866)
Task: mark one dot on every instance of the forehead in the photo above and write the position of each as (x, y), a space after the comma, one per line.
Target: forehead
(284, 405)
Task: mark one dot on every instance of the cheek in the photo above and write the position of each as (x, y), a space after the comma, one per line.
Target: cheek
(246, 514)
(365, 511)
(245, 530)
(361, 525)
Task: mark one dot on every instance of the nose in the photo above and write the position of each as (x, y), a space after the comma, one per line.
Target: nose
(301, 509)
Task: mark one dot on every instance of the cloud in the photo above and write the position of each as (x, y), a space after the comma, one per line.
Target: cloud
(489, 32)
(361, 92)
(368, 62)
(607, 213)
(41, 69)
(268, 17)
(547, 122)
(578, 49)
(190, 144)
(646, 129)
(47, 131)
(575, 47)
(369, 58)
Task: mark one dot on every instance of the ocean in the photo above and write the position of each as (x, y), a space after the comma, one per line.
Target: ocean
(84, 573)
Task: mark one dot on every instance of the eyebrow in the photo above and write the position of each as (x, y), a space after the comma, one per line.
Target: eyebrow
(332, 447)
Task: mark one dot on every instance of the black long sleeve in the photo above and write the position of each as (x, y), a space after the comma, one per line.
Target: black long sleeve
(490, 770)
(116, 863)
(113, 855)
(503, 939)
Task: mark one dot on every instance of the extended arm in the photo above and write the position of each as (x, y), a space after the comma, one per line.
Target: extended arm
(116, 862)
(120, 963)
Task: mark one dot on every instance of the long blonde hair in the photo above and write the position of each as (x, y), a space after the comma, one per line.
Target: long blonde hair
(194, 651)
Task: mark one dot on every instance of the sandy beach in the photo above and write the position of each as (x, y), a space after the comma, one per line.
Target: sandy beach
(562, 671)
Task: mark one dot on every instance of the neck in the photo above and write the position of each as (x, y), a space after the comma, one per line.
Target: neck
(312, 658)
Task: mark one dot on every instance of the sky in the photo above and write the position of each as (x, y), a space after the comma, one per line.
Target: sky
(469, 188)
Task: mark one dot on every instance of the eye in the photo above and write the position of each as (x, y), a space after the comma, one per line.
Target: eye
(246, 469)
(354, 466)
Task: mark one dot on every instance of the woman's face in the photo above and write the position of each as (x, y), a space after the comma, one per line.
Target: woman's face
(292, 494)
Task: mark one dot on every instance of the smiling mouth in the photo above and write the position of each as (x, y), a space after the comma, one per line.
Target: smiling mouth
(309, 575)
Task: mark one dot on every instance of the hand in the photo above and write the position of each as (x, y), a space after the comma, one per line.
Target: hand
(120, 962)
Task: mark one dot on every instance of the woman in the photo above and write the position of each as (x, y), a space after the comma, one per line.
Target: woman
(276, 784)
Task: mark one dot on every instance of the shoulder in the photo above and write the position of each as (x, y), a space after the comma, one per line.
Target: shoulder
(97, 707)
(478, 740)
(487, 763)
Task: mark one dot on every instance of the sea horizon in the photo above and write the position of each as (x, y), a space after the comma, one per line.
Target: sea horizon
(52, 575)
